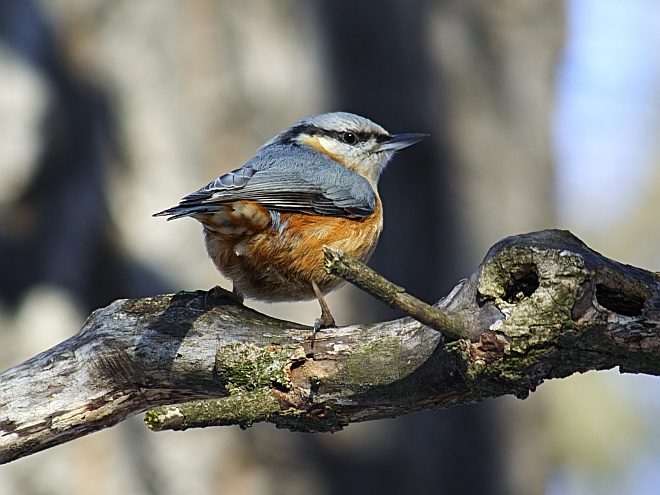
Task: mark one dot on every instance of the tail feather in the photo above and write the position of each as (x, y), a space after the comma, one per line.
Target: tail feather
(181, 211)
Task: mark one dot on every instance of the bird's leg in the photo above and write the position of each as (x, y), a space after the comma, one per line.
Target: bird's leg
(326, 320)
(218, 291)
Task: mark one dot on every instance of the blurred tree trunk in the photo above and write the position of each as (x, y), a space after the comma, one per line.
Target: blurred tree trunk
(478, 76)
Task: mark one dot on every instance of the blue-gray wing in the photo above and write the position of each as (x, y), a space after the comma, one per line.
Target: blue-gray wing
(286, 179)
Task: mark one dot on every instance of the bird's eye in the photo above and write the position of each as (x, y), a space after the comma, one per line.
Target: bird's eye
(349, 138)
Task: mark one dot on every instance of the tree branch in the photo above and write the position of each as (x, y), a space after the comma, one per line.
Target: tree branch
(540, 306)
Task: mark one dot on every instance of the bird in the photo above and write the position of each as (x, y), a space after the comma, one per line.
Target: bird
(314, 184)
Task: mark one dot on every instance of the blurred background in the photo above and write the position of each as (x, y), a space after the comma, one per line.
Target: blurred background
(542, 114)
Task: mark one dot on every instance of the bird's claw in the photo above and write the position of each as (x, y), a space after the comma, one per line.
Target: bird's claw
(319, 323)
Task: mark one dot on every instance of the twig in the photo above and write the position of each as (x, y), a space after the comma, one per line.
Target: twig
(345, 266)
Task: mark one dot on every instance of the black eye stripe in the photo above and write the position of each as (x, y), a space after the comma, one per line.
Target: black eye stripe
(360, 137)
(291, 135)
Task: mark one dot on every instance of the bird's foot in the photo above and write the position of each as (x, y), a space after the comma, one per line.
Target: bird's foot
(325, 321)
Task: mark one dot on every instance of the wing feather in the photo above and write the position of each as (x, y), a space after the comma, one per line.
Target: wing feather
(294, 179)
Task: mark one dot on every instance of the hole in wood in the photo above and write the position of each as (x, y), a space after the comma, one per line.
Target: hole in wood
(524, 283)
(627, 304)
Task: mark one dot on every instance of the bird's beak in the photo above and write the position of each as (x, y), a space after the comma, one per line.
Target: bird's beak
(400, 141)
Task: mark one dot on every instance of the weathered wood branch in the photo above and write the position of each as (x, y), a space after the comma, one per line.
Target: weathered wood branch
(540, 306)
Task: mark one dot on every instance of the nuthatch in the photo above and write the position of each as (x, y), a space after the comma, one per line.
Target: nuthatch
(312, 185)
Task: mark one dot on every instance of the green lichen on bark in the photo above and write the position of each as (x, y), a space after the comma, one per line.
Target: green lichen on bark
(248, 372)
(245, 366)
(242, 408)
(536, 290)
(372, 363)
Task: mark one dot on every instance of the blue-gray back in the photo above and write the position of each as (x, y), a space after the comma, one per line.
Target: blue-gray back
(286, 178)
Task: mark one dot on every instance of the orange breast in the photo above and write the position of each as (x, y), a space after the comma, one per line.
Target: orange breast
(276, 261)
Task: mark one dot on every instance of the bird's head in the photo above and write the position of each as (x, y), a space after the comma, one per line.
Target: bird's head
(356, 142)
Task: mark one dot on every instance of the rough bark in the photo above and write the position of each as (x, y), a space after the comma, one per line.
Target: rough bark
(540, 306)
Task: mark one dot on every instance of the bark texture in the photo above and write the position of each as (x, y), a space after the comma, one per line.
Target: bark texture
(543, 305)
